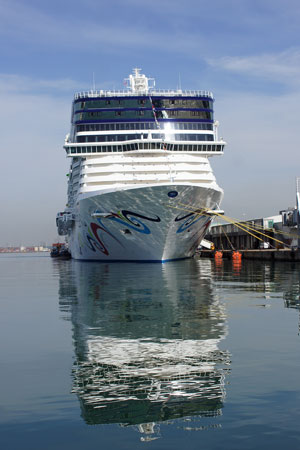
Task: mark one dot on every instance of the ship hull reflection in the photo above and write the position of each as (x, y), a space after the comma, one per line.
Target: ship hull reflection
(146, 341)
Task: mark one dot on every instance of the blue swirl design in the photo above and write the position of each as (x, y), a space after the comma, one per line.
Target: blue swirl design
(192, 218)
(131, 220)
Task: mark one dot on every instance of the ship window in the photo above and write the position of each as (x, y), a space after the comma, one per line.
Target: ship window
(107, 102)
(175, 147)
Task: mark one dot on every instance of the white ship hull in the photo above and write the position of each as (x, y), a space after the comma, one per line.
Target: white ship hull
(140, 182)
(143, 223)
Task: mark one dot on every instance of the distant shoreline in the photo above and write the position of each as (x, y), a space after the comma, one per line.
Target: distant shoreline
(24, 250)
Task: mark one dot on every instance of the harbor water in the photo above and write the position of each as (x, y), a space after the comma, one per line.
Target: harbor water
(197, 354)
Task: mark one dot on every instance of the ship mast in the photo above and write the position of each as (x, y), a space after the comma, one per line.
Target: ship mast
(139, 83)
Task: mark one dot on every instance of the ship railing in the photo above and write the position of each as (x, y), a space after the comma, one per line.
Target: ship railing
(209, 147)
(124, 93)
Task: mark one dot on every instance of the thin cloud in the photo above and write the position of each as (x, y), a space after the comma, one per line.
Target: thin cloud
(283, 67)
(17, 83)
(92, 32)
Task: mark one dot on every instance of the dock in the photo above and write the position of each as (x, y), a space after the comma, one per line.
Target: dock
(266, 254)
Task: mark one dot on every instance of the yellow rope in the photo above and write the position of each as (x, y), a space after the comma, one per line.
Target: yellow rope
(261, 227)
(231, 245)
(240, 227)
(257, 231)
(243, 227)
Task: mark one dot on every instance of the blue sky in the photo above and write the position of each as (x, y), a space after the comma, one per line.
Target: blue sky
(246, 51)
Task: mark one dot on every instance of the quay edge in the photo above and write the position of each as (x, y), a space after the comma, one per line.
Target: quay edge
(259, 254)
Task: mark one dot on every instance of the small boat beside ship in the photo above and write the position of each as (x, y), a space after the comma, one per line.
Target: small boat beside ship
(60, 250)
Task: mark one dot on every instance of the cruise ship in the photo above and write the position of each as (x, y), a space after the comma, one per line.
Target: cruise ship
(140, 185)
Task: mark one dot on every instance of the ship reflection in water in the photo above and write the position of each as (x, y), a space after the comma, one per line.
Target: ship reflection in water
(146, 340)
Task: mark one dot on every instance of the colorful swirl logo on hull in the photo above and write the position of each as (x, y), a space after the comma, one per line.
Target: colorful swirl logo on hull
(133, 221)
(192, 218)
(128, 218)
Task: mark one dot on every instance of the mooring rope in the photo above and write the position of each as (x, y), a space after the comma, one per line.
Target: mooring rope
(244, 227)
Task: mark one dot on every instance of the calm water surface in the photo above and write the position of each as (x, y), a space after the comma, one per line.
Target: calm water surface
(192, 354)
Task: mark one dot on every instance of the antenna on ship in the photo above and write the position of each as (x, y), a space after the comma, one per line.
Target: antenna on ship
(139, 83)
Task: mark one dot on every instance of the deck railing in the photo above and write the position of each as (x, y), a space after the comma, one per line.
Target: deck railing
(127, 93)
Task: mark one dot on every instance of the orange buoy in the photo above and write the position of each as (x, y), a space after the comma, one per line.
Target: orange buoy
(218, 255)
(236, 255)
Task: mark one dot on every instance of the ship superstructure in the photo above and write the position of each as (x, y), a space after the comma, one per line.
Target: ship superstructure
(140, 183)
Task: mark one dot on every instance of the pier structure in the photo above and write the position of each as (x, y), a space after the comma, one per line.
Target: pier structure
(269, 238)
(242, 235)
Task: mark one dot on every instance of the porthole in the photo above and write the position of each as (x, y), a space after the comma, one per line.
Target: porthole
(172, 194)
